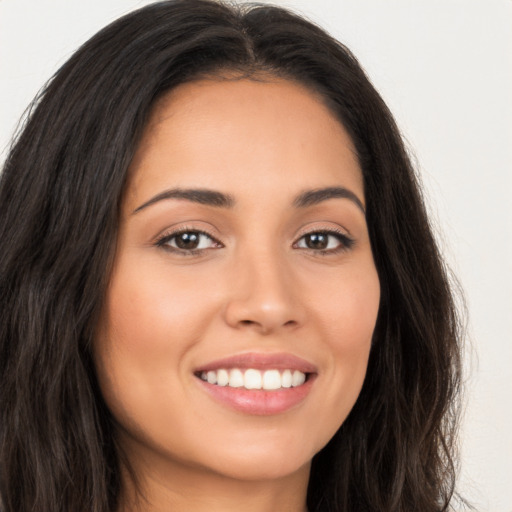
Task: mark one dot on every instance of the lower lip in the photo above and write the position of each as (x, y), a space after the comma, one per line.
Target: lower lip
(258, 401)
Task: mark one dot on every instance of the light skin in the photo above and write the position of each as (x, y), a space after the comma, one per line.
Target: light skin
(278, 268)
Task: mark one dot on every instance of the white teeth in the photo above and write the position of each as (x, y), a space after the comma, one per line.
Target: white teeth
(222, 378)
(236, 379)
(252, 379)
(298, 378)
(271, 379)
(255, 379)
(286, 379)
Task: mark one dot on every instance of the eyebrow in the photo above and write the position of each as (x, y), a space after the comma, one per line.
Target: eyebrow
(314, 197)
(222, 200)
(201, 196)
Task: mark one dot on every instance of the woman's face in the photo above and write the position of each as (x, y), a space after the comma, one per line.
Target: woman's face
(243, 260)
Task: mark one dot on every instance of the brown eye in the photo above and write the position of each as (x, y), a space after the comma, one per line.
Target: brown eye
(188, 241)
(317, 241)
(325, 241)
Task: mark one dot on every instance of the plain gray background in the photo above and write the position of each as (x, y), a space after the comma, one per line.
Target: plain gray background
(445, 70)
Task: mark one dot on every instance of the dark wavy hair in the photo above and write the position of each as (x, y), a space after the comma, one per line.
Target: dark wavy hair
(60, 195)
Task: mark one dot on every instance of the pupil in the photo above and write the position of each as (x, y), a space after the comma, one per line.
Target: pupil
(317, 241)
(187, 240)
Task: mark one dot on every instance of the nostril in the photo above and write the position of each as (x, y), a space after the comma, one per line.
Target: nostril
(289, 323)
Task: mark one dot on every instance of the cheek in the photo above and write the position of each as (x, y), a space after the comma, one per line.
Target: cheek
(347, 313)
(148, 312)
(347, 305)
(148, 327)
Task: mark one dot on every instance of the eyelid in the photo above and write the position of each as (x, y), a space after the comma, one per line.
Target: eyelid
(346, 240)
(319, 227)
(162, 239)
(197, 226)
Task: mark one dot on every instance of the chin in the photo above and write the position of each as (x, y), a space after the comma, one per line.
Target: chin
(262, 459)
(262, 468)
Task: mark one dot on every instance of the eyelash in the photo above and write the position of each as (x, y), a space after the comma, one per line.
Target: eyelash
(346, 242)
(166, 238)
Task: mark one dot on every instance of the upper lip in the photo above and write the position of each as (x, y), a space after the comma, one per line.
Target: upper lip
(260, 361)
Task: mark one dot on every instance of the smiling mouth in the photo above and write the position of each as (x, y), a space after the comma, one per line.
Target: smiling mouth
(254, 379)
(258, 383)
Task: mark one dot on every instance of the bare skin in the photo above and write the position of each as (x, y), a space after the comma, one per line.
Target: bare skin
(261, 266)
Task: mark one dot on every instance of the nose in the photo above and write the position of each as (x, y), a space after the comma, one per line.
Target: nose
(264, 295)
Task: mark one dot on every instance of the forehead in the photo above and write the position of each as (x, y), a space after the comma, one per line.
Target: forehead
(228, 133)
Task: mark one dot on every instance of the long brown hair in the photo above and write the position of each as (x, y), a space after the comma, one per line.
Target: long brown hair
(60, 192)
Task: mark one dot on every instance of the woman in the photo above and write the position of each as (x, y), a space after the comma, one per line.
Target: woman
(219, 286)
